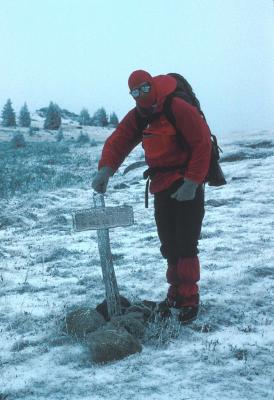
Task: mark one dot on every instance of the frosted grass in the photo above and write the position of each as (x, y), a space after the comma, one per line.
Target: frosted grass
(47, 270)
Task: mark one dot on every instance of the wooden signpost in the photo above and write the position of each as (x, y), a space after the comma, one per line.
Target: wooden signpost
(102, 218)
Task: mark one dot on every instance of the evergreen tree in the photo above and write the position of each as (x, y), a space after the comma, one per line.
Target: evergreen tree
(100, 117)
(24, 117)
(53, 117)
(8, 115)
(84, 118)
(113, 120)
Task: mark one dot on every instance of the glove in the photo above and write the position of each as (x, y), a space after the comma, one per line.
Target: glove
(186, 191)
(100, 181)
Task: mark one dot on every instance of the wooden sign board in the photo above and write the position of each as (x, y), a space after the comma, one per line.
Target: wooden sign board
(103, 218)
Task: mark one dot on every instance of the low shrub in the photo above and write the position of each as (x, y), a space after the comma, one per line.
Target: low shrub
(18, 140)
(83, 138)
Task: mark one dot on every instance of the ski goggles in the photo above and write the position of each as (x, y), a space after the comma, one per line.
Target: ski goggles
(136, 92)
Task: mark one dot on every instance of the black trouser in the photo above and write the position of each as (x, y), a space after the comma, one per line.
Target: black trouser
(178, 223)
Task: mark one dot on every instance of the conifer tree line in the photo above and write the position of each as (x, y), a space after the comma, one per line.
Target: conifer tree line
(53, 117)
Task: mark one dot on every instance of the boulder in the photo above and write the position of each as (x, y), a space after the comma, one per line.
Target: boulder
(82, 321)
(141, 311)
(132, 322)
(150, 304)
(103, 310)
(109, 343)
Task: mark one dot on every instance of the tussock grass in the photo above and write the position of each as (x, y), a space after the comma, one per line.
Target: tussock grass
(41, 166)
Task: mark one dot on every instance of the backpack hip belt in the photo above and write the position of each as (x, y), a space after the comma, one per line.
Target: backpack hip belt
(152, 171)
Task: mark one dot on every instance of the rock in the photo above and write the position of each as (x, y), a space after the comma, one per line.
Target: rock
(131, 323)
(120, 186)
(135, 313)
(82, 321)
(140, 311)
(150, 304)
(20, 345)
(103, 310)
(135, 165)
(109, 344)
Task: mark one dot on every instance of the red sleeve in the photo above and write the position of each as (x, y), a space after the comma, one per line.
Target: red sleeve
(121, 142)
(195, 131)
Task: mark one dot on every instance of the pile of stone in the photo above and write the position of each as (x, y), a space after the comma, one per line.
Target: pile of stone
(111, 339)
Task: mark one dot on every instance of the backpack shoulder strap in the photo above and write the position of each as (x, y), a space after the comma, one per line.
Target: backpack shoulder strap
(140, 122)
(167, 110)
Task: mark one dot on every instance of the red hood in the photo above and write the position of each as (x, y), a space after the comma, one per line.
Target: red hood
(165, 85)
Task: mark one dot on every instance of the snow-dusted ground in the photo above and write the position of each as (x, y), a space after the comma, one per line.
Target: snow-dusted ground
(47, 269)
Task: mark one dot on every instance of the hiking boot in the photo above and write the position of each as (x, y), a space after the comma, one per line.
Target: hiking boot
(188, 314)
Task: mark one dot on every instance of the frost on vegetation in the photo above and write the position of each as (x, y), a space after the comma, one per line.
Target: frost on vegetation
(250, 151)
(230, 343)
(161, 332)
(260, 144)
(33, 130)
(22, 344)
(83, 138)
(55, 254)
(60, 135)
(7, 220)
(41, 166)
(18, 140)
(53, 117)
(114, 338)
(93, 143)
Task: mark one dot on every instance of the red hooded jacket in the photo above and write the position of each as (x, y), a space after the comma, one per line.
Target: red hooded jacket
(159, 140)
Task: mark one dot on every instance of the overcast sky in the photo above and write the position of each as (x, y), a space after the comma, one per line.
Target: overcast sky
(79, 53)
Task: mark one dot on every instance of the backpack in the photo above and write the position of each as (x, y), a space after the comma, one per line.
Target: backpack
(215, 176)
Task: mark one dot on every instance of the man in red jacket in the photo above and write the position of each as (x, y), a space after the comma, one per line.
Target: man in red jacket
(177, 174)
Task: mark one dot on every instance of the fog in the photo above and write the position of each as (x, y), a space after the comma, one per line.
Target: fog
(79, 53)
